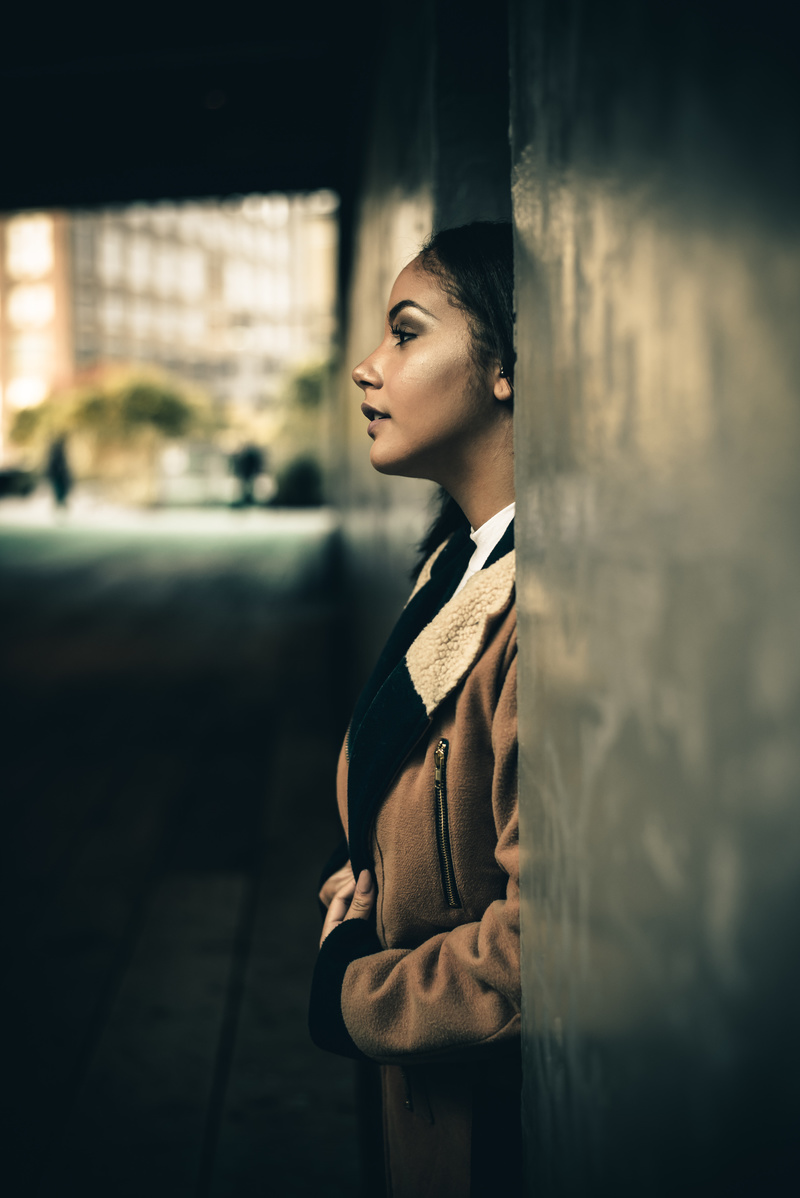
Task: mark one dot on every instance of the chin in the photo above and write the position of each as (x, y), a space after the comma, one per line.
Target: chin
(402, 467)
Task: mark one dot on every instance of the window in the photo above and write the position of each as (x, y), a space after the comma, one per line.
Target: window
(29, 246)
(110, 256)
(31, 305)
(140, 263)
(192, 274)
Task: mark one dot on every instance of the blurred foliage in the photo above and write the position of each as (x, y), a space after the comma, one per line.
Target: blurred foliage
(114, 407)
(28, 424)
(307, 387)
(117, 420)
(169, 412)
(299, 484)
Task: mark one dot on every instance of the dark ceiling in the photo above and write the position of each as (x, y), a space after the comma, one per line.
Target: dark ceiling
(103, 103)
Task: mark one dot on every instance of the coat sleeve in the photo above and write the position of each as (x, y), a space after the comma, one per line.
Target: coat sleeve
(454, 992)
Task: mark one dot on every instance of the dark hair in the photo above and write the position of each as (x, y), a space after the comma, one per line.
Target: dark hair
(474, 265)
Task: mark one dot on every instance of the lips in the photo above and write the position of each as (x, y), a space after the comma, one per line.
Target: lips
(373, 413)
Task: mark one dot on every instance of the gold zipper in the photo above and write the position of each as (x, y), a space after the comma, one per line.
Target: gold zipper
(443, 824)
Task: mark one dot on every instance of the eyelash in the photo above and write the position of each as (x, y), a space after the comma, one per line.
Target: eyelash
(402, 335)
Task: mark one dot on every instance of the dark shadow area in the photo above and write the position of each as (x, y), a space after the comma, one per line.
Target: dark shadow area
(180, 100)
(172, 705)
(171, 725)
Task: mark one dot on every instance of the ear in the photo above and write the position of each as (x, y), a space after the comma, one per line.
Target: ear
(502, 387)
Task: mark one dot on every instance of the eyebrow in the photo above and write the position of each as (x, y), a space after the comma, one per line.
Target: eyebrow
(398, 308)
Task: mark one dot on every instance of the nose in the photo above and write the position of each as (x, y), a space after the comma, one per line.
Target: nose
(367, 374)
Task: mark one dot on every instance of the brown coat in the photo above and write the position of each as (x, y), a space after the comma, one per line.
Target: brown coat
(433, 991)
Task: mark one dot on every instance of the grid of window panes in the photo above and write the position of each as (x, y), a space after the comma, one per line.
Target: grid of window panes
(229, 294)
(232, 294)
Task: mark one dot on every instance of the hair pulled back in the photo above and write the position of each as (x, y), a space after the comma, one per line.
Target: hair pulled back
(474, 266)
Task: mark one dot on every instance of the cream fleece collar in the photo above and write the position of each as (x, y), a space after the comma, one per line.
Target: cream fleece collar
(446, 649)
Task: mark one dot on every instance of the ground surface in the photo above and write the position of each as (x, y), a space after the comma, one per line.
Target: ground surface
(170, 717)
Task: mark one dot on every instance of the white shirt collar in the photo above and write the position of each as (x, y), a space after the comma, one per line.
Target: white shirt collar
(485, 538)
(492, 530)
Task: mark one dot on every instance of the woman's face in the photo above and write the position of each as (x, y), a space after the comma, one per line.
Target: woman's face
(428, 405)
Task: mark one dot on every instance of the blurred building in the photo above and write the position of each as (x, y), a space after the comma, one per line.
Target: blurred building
(36, 350)
(232, 295)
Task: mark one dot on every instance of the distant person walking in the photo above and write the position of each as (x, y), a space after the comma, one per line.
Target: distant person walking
(247, 464)
(58, 472)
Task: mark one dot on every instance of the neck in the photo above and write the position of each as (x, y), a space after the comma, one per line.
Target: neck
(485, 484)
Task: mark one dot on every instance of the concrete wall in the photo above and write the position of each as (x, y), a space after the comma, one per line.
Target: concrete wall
(436, 155)
(658, 238)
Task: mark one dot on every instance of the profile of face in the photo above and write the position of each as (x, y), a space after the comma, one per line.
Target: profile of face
(431, 410)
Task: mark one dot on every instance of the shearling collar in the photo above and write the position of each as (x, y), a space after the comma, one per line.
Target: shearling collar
(445, 650)
(432, 647)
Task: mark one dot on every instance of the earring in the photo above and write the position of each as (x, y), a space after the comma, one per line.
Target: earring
(502, 372)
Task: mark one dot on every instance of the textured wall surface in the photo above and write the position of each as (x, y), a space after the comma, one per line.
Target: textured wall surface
(656, 203)
(436, 154)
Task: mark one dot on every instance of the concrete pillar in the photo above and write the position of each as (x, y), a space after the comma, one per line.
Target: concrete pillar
(658, 235)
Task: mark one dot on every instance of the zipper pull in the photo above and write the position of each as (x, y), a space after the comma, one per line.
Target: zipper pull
(439, 754)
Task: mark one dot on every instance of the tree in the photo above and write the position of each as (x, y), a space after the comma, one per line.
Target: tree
(117, 421)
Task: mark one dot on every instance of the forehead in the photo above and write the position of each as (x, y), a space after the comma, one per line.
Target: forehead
(416, 283)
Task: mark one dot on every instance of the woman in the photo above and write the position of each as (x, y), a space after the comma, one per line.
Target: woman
(419, 960)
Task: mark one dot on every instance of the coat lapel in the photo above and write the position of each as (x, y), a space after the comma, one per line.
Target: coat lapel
(429, 651)
(425, 601)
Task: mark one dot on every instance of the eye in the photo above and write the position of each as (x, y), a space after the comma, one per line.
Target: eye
(402, 335)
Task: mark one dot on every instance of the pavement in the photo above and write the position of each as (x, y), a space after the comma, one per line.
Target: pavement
(86, 511)
(172, 704)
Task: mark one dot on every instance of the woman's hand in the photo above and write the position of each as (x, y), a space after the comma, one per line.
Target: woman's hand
(335, 882)
(351, 901)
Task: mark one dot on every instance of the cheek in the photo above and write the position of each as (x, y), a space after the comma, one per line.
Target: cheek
(433, 375)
